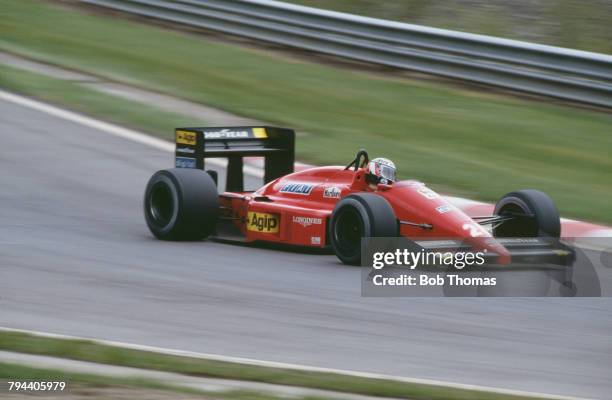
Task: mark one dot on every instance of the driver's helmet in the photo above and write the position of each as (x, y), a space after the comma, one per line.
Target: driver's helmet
(381, 170)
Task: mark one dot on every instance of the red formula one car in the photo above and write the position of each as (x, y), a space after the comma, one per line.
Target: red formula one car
(332, 206)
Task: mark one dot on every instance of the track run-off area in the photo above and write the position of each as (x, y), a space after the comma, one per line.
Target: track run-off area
(76, 258)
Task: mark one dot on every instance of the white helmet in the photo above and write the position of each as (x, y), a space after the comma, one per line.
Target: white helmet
(381, 170)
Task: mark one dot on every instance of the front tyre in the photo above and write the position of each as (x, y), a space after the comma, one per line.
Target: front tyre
(357, 216)
(534, 215)
(181, 204)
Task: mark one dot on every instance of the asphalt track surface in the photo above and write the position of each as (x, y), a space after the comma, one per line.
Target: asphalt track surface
(76, 258)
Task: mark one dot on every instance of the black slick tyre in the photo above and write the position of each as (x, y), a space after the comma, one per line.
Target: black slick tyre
(181, 204)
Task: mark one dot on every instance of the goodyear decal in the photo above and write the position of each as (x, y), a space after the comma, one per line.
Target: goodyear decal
(235, 133)
(186, 137)
(185, 162)
(262, 222)
(297, 188)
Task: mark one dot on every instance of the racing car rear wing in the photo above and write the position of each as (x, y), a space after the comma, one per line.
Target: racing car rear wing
(276, 145)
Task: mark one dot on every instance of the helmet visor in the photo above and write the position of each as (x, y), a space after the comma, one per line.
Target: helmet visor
(387, 172)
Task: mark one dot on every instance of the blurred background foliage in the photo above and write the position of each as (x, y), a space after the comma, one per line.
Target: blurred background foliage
(579, 24)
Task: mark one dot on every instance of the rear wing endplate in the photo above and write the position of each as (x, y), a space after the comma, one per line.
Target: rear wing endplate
(276, 145)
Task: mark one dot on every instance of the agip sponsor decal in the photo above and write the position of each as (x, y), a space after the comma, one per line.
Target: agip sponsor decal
(262, 222)
(186, 137)
(297, 188)
(307, 221)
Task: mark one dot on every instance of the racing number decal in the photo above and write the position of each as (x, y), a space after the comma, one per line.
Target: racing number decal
(475, 230)
(262, 222)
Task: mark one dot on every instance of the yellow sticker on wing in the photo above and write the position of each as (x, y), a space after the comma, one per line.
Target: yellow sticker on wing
(260, 133)
(186, 137)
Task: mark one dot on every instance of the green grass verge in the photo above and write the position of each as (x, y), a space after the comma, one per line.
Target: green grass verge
(460, 141)
(90, 351)
(18, 372)
(89, 101)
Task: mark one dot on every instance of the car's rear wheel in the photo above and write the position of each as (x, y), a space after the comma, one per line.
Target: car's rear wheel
(357, 216)
(181, 204)
(534, 215)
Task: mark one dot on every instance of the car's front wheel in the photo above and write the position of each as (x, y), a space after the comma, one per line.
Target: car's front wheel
(357, 216)
(534, 214)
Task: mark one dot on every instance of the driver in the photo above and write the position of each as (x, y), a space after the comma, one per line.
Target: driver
(380, 170)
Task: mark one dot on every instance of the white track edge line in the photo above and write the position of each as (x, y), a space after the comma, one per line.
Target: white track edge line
(109, 128)
(275, 364)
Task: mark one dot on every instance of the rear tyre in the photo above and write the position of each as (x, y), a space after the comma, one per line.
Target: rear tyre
(536, 215)
(181, 204)
(357, 216)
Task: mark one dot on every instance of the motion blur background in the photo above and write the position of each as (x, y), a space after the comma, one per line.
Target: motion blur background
(576, 24)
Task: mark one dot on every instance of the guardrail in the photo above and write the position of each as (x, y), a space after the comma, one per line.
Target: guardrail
(566, 74)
